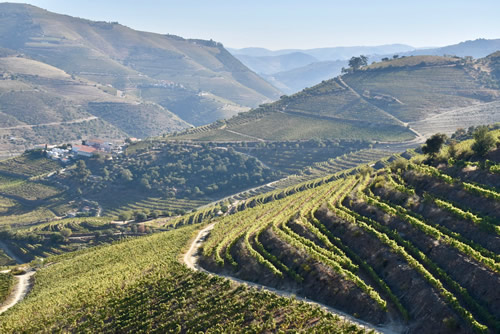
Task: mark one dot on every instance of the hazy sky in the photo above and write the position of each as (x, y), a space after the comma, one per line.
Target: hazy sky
(279, 24)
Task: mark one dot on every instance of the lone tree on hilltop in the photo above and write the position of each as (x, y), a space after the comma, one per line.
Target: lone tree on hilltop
(357, 62)
(483, 141)
(433, 144)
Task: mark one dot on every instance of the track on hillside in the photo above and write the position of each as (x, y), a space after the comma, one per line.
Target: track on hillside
(190, 259)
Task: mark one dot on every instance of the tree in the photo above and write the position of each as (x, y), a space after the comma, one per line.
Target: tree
(433, 144)
(140, 216)
(81, 171)
(124, 216)
(66, 233)
(126, 175)
(452, 149)
(357, 62)
(483, 141)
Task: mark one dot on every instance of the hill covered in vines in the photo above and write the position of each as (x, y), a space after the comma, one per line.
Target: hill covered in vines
(411, 244)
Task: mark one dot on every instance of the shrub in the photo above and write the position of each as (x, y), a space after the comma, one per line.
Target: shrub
(483, 141)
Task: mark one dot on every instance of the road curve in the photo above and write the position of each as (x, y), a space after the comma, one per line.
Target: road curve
(191, 261)
(20, 290)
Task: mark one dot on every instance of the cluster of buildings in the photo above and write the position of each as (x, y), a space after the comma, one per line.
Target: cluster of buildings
(91, 147)
(87, 149)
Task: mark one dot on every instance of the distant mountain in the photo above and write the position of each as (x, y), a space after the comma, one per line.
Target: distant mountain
(292, 70)
(323, 54)
(478, 48)
(179, 74)
(275, 64)
(306, 76)
(392, 100)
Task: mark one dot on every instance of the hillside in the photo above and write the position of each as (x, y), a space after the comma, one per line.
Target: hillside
(139, 286)
(43, 104)
(329, 61)
(409, 245)
(180, 75)
(374, 103)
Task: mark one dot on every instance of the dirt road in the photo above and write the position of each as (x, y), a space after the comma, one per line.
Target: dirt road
(191, 261)
(30, 126)
(20, 290)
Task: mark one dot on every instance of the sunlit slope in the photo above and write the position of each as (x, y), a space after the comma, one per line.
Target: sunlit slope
(414, 88)
(139, 286)
(377, 102)
(42, 104)
(115, 54)
(383, 246)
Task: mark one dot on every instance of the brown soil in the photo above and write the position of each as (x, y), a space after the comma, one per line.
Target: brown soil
(425, 307)
(453, 193)
(480, 281)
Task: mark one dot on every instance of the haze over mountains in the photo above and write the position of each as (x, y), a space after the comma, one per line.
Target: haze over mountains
(291, 70)
(156, 83)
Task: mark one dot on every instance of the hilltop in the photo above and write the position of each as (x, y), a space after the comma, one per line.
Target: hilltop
(329, 61)
(380, 102)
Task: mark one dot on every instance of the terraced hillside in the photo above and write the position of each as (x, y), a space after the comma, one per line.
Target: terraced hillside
(139, 286)
(384, 102)
(24, 196)
(408, 245)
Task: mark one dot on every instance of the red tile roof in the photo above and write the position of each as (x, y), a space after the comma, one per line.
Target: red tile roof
(84, 148)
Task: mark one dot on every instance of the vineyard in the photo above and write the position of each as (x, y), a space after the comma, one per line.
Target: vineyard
(167, 207)
(28, 165)
(408, 244)
(6, 283)
(139, 286)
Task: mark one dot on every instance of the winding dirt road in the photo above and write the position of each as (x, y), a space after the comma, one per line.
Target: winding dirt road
(22, 285)
(191, 261)
(20, 290)
(30, 126)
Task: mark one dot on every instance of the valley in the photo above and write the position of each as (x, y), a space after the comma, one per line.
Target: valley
(153, 183)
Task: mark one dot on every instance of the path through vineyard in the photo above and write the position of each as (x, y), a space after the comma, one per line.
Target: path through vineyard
(20, 290)
(22, 285)
(191, 261)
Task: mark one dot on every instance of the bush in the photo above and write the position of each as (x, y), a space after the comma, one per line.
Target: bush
(140, 216)
(483, 141)
(124, 216)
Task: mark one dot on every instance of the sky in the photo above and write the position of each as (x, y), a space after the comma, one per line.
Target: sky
(305, 24)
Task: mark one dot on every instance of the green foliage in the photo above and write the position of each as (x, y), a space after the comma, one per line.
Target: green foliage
(483, 141)
(170, 171)
(356, 63)
(6, 284)
(291, 218)
(144, 288)
(434, 144)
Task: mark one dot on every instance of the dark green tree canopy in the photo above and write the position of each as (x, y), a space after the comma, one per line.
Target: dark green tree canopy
(433, 144)
(357, 62)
